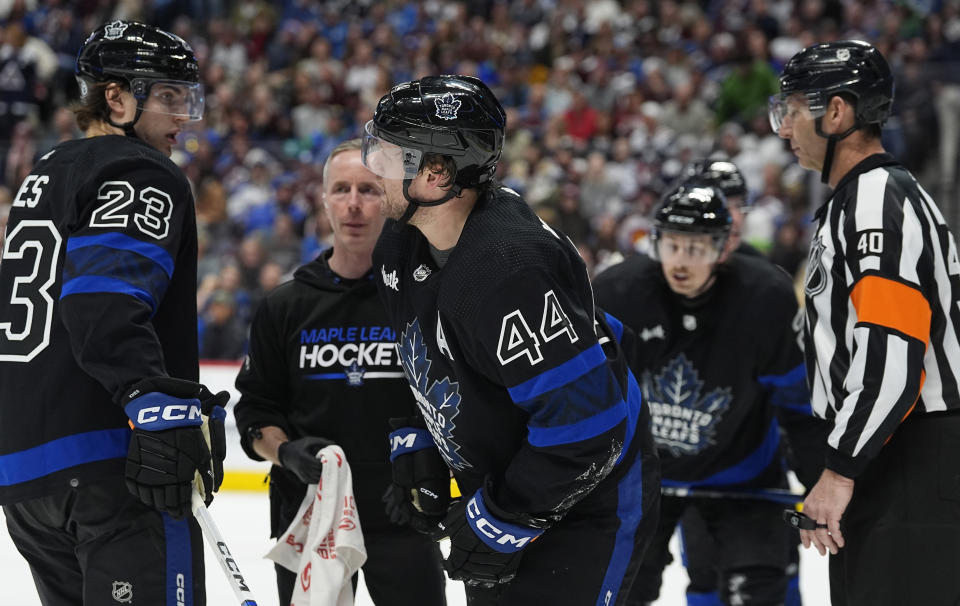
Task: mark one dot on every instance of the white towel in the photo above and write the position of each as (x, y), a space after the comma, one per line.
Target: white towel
(324, 545)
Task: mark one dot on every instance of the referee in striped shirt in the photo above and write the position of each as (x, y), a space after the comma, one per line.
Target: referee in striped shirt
(881, 340)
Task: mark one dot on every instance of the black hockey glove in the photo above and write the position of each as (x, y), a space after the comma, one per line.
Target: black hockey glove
(214, 431)
(300, 457)
(420, 493)
(169, 448)
(486, 543)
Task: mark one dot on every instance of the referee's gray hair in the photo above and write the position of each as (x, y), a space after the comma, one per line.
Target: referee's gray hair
(348, 145)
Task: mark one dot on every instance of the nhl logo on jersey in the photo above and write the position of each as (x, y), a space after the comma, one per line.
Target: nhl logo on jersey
(114, 29)
(689, 322)
(447, 107)
(354, 375)
(421, 273)
(816, 274)
(122, 592)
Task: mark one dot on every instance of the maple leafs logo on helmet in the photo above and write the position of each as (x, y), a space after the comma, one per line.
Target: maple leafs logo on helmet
(447, 107)
(114, 29)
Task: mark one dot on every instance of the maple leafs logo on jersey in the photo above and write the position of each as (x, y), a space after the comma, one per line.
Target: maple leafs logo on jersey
(354, 374)
(683, 422)
(439, 401)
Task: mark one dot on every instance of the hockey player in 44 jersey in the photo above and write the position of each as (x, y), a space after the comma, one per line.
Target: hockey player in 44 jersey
(882, 332)
(721, 369)
(521, 383)
(98, 330)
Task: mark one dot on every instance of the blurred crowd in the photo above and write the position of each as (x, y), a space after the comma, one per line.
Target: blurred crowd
(607, 102)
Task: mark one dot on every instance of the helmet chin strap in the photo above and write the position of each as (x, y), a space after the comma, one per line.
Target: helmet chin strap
(413, 203)
(831, 146)
(127, 127)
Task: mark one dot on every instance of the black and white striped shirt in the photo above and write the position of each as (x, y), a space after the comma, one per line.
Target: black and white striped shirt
(882, 312)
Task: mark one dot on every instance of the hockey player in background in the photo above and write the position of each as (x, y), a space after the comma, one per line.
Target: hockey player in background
(521, 383)
(881, 335)
(323, 369)
(698, 548)
(98, 331)
(720, 369)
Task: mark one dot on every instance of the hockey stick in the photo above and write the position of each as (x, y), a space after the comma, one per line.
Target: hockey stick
(777, 495)
(219, 547)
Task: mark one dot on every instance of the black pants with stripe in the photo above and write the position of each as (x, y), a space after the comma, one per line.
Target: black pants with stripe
(902, 526)
(98, 544)
(591, 557)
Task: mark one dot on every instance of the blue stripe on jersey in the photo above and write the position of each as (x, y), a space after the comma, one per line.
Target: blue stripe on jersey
(36, 462)
(102, 284)
(789, 390)
(711, 598)
(634, 404)
(615, 325)
(630, 513)
(558, 376)
(599, 423)
(179, 558)
(325, 376)
(118, 241)
(792, 376)
(745, 470)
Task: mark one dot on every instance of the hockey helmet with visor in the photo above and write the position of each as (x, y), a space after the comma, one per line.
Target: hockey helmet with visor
(159, 68)
(819, 72)
(694, 208)
(453, 116)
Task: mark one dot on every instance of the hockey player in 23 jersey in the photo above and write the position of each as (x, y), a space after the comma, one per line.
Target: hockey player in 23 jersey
(98, 330)
(881, 334)
(720, 365)
(521, 383)
(323, 368)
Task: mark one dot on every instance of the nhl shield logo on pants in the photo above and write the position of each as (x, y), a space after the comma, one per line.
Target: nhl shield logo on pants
(122, 592)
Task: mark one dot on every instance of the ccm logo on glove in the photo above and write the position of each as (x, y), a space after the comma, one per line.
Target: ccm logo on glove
(156, 411)
(496, 534)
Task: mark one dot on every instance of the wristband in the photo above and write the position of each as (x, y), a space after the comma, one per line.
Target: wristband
(156, 411)
(497, 534)
(409, 439)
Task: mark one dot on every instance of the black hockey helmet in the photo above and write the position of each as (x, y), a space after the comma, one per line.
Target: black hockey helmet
(456, 116)
(846, 66)
(822, 71)
(722, 174)
(141, 56)
(696, 206)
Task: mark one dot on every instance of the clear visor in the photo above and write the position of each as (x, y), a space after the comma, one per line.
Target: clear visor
(783, 108)
(170, 97)
(389, 160)
(682, 247)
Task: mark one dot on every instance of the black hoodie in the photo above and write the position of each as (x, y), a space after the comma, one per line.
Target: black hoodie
(323, 362)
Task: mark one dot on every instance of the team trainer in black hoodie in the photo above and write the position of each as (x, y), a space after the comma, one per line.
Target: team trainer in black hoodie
(323, 368)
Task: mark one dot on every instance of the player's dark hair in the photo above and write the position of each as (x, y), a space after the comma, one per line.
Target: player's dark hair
(93, 107)
(447, 166)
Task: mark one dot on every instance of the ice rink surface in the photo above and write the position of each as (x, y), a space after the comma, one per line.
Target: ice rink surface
(242, 518)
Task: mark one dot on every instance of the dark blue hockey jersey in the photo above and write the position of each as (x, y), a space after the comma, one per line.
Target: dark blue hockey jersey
(720, 372)
(97, 291)
(518, 377)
